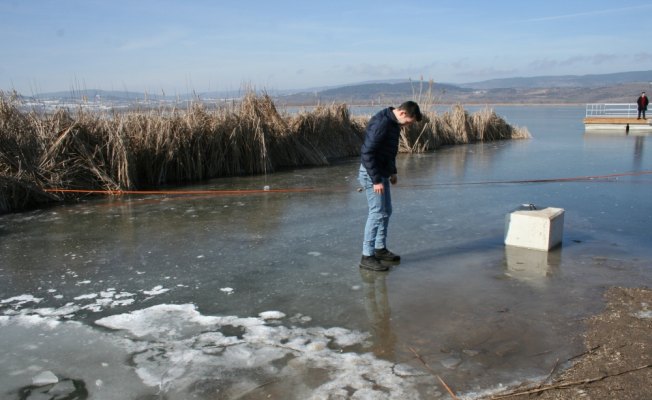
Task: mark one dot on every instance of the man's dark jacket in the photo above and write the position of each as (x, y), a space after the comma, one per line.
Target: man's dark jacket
(380, 145)
(642, 102)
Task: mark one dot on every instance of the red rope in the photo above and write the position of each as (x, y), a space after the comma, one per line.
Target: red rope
(182, 192)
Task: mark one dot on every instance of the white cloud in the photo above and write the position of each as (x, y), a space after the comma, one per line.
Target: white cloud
(610, 12)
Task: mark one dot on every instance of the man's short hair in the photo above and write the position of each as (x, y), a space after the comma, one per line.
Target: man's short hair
(411, 109)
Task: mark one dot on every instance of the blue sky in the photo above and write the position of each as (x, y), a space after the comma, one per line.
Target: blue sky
(176, 46)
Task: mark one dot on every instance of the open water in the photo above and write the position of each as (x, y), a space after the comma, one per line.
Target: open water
(260, 296)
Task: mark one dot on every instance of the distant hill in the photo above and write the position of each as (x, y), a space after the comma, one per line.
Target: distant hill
(370, 93)
(621, 87)
(586, 81)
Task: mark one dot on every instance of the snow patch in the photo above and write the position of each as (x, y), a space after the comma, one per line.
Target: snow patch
(22, 299)
(179, 347)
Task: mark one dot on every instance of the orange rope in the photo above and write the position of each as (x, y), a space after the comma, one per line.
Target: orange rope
(217, 192)
(183, 192)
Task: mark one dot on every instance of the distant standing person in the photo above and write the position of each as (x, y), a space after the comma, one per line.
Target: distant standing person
(377, 171)
(642, 102)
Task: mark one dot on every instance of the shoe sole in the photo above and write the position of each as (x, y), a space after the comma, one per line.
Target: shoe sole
(365, 267)
(390, 263)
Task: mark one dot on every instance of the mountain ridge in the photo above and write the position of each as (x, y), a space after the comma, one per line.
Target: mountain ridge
(573, 89)
(590, 80)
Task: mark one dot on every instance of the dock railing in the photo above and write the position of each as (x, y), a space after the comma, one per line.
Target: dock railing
(613, 110)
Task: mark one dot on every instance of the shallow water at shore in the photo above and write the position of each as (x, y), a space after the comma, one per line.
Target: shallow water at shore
(163, 295)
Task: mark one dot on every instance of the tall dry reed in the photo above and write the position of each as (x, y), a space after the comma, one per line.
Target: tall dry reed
(146, 149)
(456, 127)
(330, 129)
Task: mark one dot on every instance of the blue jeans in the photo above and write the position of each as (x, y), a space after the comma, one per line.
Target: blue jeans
(380, 209)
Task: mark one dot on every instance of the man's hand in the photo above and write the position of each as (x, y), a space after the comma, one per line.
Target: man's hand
(378, 187)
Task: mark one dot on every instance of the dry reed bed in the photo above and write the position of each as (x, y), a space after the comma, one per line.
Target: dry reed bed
(146, 149)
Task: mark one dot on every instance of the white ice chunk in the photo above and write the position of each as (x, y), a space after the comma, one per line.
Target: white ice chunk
(163, 320)
(155, 291)
(68, 309)
(344, 337)
(271, 315)
(22, 299)
(86, 296)
(124, 302)
(451, 362)
(45, 378)
(93, 307)
(62, 390)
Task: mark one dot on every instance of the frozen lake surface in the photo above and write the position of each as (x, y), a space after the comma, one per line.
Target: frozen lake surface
(260, 295)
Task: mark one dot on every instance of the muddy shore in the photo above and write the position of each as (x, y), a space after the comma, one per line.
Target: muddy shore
(617, 361)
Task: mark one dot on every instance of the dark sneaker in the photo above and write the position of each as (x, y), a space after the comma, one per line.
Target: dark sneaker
(372, 264)
(386, 255)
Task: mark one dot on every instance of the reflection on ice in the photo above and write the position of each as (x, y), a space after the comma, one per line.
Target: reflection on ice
(531, 266)
(379, 313)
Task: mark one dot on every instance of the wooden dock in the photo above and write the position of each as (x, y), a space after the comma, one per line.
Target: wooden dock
(615, 117)
(617, 121)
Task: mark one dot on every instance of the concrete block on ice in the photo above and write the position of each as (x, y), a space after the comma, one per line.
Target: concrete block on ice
(535, 229)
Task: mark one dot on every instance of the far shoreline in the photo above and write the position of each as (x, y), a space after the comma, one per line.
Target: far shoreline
(448, 104)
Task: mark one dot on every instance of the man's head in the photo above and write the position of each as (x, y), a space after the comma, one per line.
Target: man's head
(408, 112)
